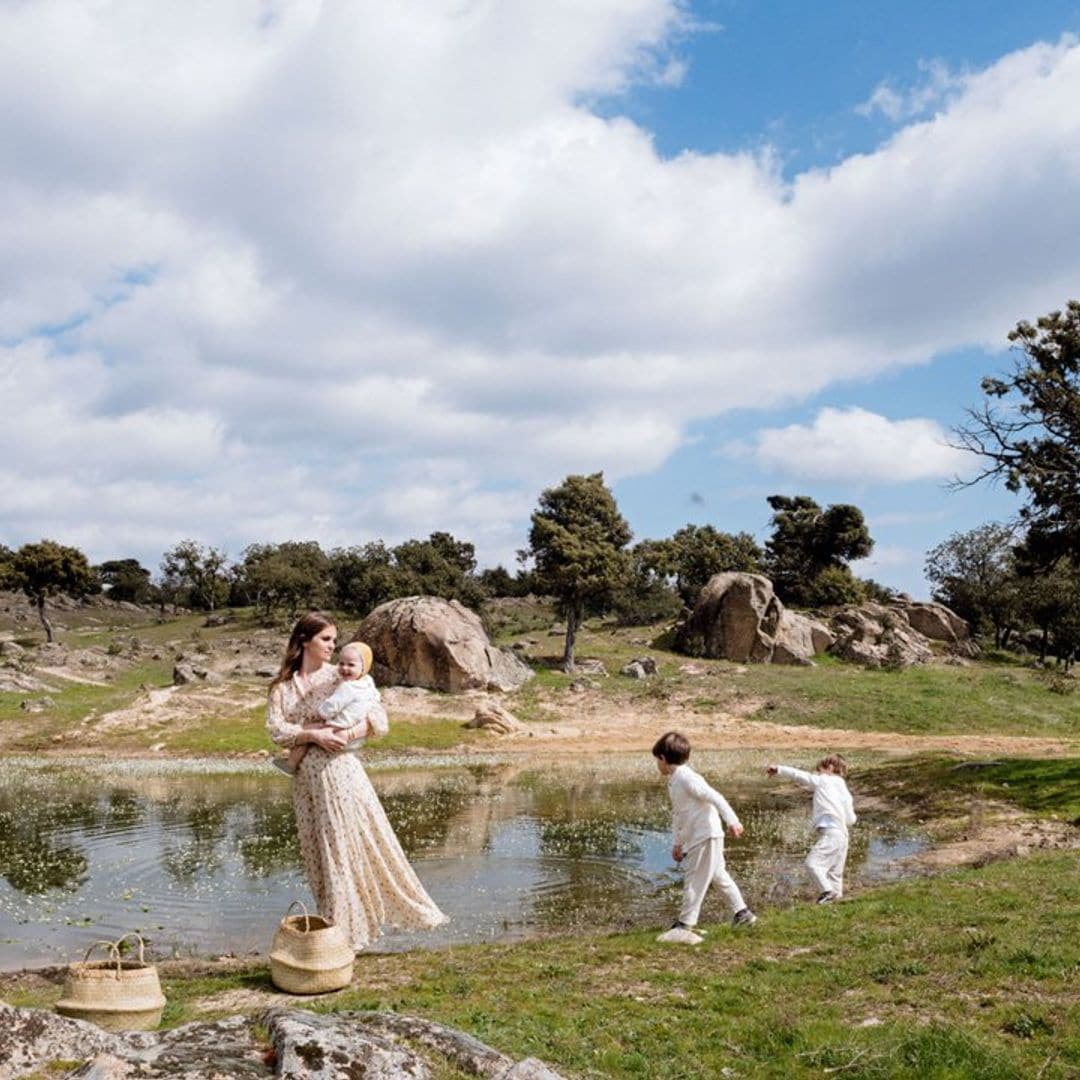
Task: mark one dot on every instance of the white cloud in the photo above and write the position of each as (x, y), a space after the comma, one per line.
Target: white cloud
(938, 86)
(857, 446)
(248, 242)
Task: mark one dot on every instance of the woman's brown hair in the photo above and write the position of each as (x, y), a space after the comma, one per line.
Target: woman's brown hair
(307, 626)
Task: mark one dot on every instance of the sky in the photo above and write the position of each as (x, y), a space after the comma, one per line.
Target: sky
(302, 269)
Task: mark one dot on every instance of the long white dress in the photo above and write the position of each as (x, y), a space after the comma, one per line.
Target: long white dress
(356, 869)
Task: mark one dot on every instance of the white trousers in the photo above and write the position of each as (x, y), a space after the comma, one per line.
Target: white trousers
(702, 865)
(825, 863)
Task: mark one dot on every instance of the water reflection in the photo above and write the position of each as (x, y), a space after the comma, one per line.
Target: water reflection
(204, 861)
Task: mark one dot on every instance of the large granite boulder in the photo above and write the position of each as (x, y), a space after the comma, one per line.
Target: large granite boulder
(373, 1045)
(437, 644)
(738, 617)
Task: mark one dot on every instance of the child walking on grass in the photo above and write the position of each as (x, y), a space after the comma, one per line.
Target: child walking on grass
(349, 707)
(696, 810)
(833, 812)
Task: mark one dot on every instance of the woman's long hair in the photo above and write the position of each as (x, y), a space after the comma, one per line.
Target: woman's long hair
(307, 626)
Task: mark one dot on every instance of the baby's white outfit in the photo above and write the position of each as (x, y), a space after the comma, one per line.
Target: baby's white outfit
(832, 812)
(350, 704)
(696, 810)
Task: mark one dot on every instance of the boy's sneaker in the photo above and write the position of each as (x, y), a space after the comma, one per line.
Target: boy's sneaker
(680, 935)
(745, 917)
(827, 898)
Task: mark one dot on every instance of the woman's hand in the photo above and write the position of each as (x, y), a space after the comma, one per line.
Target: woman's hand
(326, 738)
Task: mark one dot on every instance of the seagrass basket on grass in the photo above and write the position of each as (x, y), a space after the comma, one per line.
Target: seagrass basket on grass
(309, 954)
(116, 994)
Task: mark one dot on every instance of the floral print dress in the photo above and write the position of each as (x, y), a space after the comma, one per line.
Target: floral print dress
(356, 869)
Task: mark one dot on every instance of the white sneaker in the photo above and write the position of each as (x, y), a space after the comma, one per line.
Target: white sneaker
(679, 935)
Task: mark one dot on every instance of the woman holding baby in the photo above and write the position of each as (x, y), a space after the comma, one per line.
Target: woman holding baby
(355, 867)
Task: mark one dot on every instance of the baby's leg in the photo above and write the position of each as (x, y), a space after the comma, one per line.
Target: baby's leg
(296, 755)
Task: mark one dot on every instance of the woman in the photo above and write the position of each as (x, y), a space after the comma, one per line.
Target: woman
(355, 867)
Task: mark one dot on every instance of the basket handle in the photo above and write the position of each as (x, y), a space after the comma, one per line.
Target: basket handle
(142, 946)
(303, 908)
(114, 952)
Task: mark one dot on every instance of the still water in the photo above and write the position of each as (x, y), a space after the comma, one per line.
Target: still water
(202, 858)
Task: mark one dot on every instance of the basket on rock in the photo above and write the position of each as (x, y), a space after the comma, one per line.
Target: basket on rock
(115, 994)
(309, 954)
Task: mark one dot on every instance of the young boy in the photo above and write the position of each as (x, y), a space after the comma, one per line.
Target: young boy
(349, 706)
(696, 810)
(832, 812)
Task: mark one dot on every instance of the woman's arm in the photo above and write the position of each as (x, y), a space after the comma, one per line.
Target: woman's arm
(282, 730)
(285, 733)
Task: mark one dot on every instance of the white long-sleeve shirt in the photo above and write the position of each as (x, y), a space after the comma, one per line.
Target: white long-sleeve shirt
(356, 702)
(696, 808)
(832, 807)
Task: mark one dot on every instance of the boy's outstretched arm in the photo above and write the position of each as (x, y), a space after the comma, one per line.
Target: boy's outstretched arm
(803, 779)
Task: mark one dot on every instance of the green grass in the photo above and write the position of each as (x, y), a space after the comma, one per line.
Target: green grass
(971, 974)
(234, 734)
(74, 701)
(436, 733)
(920, 700)
(1047, 788)
(987, 698)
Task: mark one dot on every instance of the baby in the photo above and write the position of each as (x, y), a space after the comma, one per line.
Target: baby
(349, 706)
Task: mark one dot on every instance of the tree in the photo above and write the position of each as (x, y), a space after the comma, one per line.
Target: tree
(1049, 598)
(46, 568)
(1027, 431)
(457, 553)
(577, 540)
(807, 541)
(647, 596)
(126, 579)
(362, 577)
(195, 572)
(438, 566)
(289, 576)
(695, 553)
(973, 573)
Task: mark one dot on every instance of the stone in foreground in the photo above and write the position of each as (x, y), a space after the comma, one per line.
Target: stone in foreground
(302, 1045)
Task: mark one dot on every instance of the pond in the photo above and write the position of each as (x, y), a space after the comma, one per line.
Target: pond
(202, 857)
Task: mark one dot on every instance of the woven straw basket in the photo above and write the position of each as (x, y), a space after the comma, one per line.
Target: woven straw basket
(309, 954)
(115, 994)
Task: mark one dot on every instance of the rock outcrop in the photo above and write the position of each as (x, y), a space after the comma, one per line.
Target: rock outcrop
(878, 636)
(938, 623)
(738, 617)
(374, 1045)
(799, 638)
(437, 644)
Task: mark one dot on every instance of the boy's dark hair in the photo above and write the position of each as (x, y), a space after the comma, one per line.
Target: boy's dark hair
(836, 763)
(672, 748)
